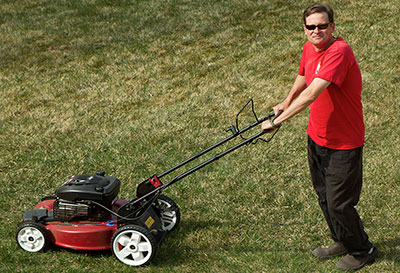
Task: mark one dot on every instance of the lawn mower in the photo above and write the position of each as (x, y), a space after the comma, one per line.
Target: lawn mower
(85, 212)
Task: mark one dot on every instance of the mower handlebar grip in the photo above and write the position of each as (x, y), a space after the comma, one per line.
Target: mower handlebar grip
(277, 115)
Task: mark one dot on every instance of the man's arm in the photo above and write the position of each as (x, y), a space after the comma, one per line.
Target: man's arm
(298, 86)
(304, 99)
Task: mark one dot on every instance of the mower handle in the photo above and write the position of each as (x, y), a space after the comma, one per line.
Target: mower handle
(235, 132)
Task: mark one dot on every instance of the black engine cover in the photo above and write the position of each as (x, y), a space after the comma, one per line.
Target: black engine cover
(102, 189)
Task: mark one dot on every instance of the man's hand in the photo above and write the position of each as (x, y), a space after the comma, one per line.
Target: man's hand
(266, 125)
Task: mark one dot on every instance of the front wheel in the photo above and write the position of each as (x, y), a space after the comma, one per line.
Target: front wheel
(133, 245)
(32, 237)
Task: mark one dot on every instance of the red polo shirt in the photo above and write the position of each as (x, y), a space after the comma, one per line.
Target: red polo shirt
(336, 116)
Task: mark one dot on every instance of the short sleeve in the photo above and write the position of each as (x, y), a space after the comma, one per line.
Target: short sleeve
(334, 68)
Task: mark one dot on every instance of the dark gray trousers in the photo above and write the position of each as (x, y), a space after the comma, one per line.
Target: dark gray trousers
(337, 178)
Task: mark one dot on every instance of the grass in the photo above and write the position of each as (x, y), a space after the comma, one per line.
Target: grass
(135, 87)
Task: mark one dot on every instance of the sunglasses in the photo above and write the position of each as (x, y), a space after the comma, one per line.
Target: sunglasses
(312, 27)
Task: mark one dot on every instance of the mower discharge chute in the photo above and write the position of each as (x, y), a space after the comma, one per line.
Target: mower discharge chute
(85, 213)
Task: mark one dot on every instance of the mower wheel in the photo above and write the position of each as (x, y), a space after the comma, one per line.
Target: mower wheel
(32, 237)
(133, 245)
(170, 213)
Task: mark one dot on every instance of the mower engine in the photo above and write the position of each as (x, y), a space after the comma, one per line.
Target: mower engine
(76, 195)
(67, 211)
(102, 189)
(81, 198)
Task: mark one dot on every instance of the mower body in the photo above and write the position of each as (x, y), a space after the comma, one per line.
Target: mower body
(85, 213)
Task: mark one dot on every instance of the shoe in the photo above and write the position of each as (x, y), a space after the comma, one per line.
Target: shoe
(356, 262)
(334, 250)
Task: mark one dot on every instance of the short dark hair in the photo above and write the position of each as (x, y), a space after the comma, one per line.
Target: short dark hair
(318, 8)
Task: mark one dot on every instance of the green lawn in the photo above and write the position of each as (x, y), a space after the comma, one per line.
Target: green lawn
(135, 87)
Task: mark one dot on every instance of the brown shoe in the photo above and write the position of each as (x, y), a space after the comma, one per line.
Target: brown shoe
(356, 262)
(334, 250)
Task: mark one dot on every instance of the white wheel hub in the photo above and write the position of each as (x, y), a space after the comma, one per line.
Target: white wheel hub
(31, 239)
(132, 247)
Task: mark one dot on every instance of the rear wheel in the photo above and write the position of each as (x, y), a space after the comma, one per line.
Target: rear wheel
(170, 213)
(32, 237)
(133, 245)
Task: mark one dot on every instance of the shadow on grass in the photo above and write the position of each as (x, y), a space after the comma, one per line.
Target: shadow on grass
(389, 249)
(172, 252)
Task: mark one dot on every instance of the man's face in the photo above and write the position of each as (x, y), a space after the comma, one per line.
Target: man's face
(319, 37)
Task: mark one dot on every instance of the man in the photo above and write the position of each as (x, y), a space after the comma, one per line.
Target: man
(329, 80)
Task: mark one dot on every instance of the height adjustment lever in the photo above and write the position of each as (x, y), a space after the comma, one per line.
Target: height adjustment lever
(232, 129)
